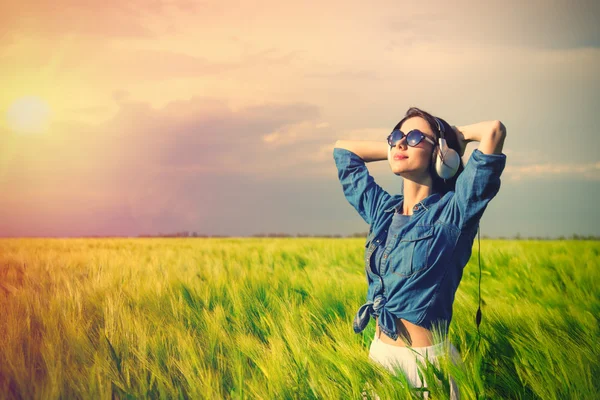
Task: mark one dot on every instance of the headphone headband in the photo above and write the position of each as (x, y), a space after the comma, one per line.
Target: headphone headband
(440, 128)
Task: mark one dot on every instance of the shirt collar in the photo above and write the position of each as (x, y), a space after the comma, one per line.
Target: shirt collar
(422, 205)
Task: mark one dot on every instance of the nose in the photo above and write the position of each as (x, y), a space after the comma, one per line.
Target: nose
(402, 144)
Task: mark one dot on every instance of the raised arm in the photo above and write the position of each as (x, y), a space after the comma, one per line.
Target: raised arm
(479, 183)
(359, 187)
(367, 150)
(489, 134)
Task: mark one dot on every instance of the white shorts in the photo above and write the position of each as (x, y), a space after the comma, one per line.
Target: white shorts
(391, 356)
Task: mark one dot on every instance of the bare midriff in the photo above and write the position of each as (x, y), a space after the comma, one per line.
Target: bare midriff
(419, 336)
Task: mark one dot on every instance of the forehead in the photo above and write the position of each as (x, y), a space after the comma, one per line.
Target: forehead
(417, 123)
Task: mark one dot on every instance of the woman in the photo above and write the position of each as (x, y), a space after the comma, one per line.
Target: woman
(419, 241)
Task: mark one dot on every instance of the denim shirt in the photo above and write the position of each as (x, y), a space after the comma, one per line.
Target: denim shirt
(398, 221)
(422, 265)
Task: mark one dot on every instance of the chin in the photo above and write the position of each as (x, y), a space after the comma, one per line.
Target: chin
(407, 168)
(409, 172)
(398, 171)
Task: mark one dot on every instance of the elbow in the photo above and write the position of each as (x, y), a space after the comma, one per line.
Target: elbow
(499, 130)
(492, 142)
(497, 136)
(340, 144)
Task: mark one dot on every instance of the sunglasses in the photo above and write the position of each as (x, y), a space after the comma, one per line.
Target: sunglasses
(413, 137)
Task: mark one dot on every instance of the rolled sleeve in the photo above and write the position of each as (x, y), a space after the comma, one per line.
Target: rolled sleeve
(475, 187)
(359, 187)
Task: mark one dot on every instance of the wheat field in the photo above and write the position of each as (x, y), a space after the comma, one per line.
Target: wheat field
(271, 318)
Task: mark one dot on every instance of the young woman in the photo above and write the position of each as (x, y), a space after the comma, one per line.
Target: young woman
(419, 241)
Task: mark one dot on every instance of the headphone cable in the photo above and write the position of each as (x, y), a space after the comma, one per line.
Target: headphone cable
(478, 315)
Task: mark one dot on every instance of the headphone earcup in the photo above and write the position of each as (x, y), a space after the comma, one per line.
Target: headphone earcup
(447, 161)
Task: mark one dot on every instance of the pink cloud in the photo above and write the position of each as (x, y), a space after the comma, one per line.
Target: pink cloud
(153, 166)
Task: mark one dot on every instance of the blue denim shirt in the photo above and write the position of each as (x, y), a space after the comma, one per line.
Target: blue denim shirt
(422, 266)
(398, 221)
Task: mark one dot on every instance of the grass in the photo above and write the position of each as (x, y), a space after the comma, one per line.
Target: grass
(264, 318)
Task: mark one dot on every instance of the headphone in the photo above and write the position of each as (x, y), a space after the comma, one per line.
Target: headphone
(447, 160)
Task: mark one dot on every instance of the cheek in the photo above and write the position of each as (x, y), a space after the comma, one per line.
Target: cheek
(420, 154)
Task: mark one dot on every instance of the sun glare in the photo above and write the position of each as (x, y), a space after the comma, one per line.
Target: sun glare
(28, 115)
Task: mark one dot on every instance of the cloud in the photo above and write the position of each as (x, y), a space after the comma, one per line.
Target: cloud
(587, 171)
(127, 64)
(205, 134)
(171, 165)
(527, 156)
(376, 134)
(555, 24)
(530, 163)
(120, 95)
(89, 110)
(133, 19)
(292, 134)
(350, 74)
(107, 19)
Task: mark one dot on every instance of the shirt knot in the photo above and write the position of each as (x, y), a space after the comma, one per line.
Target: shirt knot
(386, 321)
(378, 303)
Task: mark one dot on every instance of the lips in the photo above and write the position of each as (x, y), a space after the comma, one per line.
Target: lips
(400, 157)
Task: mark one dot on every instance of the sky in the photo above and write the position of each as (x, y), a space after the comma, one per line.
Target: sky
(148, 116)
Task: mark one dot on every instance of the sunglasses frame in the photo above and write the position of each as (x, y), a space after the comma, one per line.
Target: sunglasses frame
(423, 136)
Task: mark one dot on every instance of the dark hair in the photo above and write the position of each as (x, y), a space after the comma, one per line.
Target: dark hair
(440, 185)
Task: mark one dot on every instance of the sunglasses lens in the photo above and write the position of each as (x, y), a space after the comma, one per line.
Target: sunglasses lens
(414, 138)
(395, 137)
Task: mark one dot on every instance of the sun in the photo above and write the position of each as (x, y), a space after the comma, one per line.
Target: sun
(28, 114)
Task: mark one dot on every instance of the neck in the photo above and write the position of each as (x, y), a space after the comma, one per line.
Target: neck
(414, 192)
